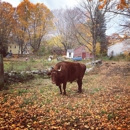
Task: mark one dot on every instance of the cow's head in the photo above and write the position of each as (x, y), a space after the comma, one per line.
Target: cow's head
(55, 75)
(48, 71)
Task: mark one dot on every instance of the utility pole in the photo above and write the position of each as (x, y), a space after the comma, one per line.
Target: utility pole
(1, 72)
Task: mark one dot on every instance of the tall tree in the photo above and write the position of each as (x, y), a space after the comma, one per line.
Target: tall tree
(33, 23)
(88, 10)
(22, 16)
(7, 23)
(82, 31)
(101, 29)
(39, 25)
(64, 28)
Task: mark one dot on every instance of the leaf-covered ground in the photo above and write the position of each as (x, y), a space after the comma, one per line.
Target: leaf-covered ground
(103, 105)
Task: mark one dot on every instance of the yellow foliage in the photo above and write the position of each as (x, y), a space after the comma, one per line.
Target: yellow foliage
(98, 48)
(126, 53)
(55, 41)
(34, 21)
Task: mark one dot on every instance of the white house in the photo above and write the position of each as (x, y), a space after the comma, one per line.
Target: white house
(119, 48)
(70, 53)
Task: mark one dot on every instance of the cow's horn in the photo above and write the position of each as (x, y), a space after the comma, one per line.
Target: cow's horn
(59, 69)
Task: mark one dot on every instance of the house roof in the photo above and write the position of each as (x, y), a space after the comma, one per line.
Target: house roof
(70, 50)
(76, 48)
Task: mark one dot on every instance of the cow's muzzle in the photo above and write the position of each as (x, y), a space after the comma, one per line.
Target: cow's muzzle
(53, 82)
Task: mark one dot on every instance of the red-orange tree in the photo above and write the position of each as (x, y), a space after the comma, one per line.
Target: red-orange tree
(121, 4)
(7, 23)
(33, 22)
(22, 16)
(39, 25)
(6, 26)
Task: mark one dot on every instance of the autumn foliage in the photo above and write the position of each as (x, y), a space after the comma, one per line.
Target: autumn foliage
(26, 23)
(121, 5)
(35, 20)
(7, 22)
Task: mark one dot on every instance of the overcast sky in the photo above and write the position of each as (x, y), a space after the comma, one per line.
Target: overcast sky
(51, 4)
(57, 4)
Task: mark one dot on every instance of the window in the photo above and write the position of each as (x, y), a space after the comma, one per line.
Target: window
(15, 47)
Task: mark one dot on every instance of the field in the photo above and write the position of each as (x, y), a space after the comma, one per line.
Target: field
(37, 104)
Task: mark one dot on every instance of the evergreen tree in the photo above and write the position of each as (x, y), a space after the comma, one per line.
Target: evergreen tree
(100, 31)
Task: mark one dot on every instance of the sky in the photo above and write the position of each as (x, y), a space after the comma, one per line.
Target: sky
(57, 4)
(51, 4)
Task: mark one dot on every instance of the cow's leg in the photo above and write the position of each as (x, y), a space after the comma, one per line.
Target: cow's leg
(79, 82)
(64, 87)
(60, 89)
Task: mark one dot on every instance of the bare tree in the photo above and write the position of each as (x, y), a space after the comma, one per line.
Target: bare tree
(81, 31)
(39, 25)
(126, 20)
(124, 12)
(64, 28)
(89, 22)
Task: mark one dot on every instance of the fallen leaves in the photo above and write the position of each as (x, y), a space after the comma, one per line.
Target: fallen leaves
(104, 104)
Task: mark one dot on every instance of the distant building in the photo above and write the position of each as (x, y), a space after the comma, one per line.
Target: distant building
(70, 53)
(119, 48)
(14, 49)
(78, 52)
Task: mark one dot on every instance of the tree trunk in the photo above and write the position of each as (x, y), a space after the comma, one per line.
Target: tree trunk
(94, 49)
(1, 72)
(103, 49)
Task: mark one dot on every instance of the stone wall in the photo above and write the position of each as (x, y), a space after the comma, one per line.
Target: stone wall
(13, 76)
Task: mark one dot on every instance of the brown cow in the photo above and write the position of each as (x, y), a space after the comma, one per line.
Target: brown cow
(64, 72)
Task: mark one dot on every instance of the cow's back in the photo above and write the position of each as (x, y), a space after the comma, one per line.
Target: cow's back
(71, 70)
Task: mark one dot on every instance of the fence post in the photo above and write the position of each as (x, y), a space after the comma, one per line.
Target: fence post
(1, 72)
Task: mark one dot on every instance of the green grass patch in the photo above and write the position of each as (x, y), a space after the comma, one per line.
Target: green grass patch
(22, 91)
(95, 90)
(111, 116)
(26, 101)
(103, 112)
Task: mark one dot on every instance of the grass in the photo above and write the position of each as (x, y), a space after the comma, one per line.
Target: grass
(121, 57)
(31, 64)
(27, 65)
(22, 91)
(37, 104)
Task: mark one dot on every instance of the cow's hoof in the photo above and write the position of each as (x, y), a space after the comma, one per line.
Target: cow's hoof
(79, 91)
